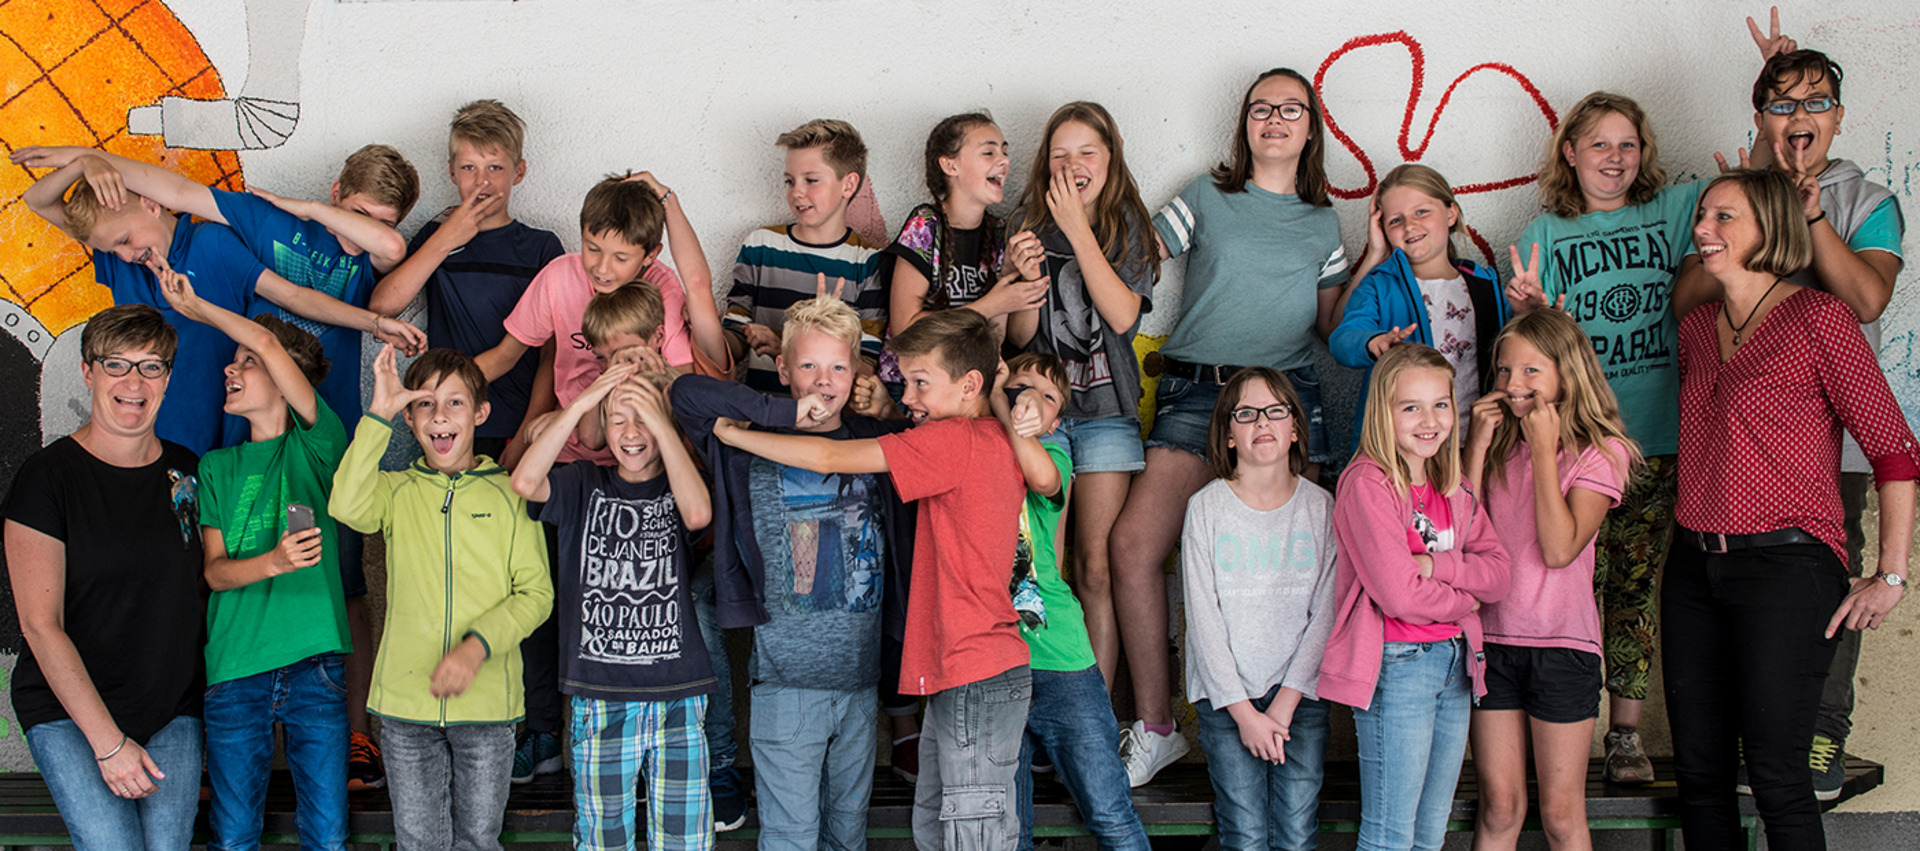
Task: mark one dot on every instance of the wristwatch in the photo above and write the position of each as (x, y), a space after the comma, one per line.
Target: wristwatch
(1894, 579)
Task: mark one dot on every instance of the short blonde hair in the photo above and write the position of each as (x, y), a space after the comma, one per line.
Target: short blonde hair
(83, 210)
(826, 314)
(841, 145)
(1786, 244)
(1376, 430)
(489, 125)
(382, 174)
(660, 381)
(1560, 185)
(635, 308)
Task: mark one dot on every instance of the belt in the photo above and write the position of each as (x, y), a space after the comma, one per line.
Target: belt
(1714, 542)
(1203, 372)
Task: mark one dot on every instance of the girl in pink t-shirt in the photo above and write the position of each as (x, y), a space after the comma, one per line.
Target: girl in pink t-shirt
(1550, 454)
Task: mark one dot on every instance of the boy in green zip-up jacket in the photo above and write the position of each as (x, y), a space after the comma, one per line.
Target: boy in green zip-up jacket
(466, 582)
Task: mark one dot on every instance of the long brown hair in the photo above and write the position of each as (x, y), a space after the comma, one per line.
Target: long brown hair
(944, 142)
(1117, 212)
(1560, 184)
(1221, 456)
(1310, 177)
(1589, 412)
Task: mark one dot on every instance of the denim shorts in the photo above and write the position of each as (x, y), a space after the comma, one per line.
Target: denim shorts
(1184, 408)
(1105, 445)
(1557, 685)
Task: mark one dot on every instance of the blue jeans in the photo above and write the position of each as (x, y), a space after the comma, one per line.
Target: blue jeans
(98, 819)
(1259, 805)
(1072, 720)
(309, 700)
(721, 746)
(1412, 740)
(813, 752)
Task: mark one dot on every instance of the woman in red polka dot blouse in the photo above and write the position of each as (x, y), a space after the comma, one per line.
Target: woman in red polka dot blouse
(1757, 587)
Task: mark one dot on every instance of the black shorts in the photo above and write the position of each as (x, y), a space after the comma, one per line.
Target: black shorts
(1551, 684)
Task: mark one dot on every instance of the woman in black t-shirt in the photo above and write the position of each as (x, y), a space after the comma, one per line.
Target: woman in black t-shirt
(103, 550)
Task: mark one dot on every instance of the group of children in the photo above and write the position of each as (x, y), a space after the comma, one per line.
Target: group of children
(891, 520)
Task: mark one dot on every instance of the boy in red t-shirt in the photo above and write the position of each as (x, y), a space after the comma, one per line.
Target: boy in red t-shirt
(963, 645)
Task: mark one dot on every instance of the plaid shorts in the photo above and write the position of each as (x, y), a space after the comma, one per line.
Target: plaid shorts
(615, 746)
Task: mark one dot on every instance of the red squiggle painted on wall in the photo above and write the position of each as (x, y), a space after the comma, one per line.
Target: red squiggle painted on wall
(1411, 153)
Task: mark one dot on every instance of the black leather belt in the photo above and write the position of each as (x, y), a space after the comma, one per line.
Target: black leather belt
(1714, 542)
(1203, 372)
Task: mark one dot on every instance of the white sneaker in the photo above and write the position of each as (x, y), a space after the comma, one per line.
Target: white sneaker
(1146, 753)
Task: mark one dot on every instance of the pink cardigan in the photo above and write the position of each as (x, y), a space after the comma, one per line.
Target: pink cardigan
(1375, 576)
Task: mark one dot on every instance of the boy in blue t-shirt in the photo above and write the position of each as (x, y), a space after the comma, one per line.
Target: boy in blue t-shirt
(127, 230)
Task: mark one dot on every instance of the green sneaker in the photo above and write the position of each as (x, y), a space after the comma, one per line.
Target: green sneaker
(1828, 759)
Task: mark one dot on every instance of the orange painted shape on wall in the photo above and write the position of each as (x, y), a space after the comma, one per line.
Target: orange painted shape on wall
(72, 69)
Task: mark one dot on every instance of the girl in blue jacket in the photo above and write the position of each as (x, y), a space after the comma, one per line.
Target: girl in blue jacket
(1422, 292)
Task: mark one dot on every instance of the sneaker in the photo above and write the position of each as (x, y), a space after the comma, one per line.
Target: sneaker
(1742, 784)
(1042, 761)
(729, 799)
(1145, 753)
(906, 758)
(535, 754)
(364, 768)
(1829, 763)
(1625, 763)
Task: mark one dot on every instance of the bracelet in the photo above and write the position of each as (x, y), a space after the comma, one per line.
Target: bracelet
(1817, 219)
(116, 749)
(664, 196)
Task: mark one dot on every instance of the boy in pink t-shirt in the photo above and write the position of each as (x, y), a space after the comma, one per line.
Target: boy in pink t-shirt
(963, 644)
(621, 223)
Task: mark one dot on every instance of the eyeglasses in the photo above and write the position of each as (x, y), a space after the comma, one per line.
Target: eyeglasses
(1273, 413)
(1814, 105)
(1263, 111)
(119, 367)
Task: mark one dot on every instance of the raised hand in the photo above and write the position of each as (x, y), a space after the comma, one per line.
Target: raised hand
(1771, 43)
(1377, 247)
(650, 403)
(390, 395)
(298, 208)
(1063, 201)
(811, 411)
(870, 398)
(761, 339)
(1486, 414)
(177, 290)
(462, 223)
(646, 177)
(395, 332)
(1524, 291)
(1380, 343)
(1720, 159)
(1542, 424)
(1026, 254)
(1026, 416)
(47, 156)
(108, 184)
(820, 286)
(615, 373)
(1798, 164)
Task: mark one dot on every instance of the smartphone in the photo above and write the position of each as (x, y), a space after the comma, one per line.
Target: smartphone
(299, 518)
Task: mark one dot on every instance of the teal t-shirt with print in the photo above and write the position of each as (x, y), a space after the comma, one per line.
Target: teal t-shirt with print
(244, 493)
(1061, 644)
(1616, 269)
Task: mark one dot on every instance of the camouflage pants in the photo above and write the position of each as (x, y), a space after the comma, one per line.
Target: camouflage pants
(1628, 553)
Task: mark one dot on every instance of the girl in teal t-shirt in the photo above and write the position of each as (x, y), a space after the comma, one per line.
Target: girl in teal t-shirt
(1607, 251)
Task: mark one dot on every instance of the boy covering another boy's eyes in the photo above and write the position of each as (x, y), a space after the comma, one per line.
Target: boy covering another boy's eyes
(963, 646)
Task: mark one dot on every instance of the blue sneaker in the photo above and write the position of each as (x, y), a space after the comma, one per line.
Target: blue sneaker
(535, 754)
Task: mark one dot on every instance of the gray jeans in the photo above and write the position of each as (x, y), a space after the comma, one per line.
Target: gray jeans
(969, 759)
(448, 784)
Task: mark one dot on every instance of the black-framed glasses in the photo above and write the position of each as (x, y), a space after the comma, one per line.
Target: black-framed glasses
(1813, 105)
(149, 368)
(1273, 413)
(1290, 111)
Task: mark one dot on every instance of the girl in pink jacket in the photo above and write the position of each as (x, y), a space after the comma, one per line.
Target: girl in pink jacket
(1417, 557)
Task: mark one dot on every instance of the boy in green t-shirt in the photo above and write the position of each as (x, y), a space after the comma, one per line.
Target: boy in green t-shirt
(1071, 720)
(276, 621)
